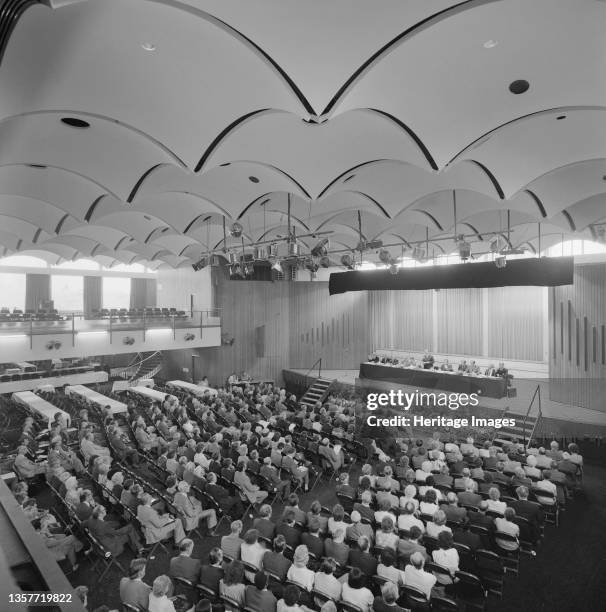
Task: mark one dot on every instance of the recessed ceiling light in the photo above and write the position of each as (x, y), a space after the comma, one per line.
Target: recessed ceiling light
(147, 46)
(560, 117)
(253, 179)
(519, 87)
(489, 44)
(75, 122)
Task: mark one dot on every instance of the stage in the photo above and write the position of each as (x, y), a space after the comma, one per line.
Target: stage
(559, 419)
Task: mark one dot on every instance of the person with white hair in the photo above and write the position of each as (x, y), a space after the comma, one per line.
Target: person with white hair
(158, 598)
(531, 469)
(415, 576)
(191, 511)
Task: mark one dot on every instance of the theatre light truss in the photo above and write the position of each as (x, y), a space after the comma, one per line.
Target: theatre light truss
(131, 131)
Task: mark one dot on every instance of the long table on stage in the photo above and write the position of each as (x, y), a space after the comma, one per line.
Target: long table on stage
(35, 403)
(96, 398)
(487, 386)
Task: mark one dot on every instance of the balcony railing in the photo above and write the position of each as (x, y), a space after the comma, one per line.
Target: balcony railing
(74, 323)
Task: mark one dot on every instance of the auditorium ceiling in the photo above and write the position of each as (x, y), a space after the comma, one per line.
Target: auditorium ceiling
(135, 131)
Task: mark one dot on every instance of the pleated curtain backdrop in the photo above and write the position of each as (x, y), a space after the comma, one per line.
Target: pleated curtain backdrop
(142, 293)
(93, 294)
(37, 290)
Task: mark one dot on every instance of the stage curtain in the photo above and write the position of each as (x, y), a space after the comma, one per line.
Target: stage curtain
(142, 293)
(93, 294)
(37, 290)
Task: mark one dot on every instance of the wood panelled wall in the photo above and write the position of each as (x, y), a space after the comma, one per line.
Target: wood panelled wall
(280, 325)
(505, 322)
(577, 339)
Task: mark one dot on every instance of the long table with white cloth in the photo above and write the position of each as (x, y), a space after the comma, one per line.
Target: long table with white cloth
(191, 387)
(98, 399)
(40, 406)
(154, 394)
(84, 378)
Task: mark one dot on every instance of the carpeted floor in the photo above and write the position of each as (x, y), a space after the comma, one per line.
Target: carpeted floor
(568, 574)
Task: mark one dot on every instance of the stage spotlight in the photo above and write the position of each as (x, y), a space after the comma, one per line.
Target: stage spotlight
(273, 250)
(277, 266)
(293, 249)
(384, 256)
(347, 261)
(500, 262)
(320, 249)
(464, 250)
(260, 253)
(236, 230)
(325, 262)
(249, 270)
(200, 264)
(232, 258)
(393, 268)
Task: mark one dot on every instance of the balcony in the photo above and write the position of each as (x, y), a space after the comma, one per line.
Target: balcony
(30, 336)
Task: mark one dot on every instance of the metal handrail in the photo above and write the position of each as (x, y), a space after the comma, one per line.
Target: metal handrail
(537, 393)
(317, 361)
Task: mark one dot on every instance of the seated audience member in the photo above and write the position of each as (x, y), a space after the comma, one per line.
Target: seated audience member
(158, 527)
(90, 449)
(531, 469)
(258, 597)
(415, 576)
(253, 492)
(133, 590)
(229, 504)
(463, 535)
(446, 555)
(387, 480)
(387, 568)
(25, 467)
(232, 584)
(357, 528)
(429, 504)
(519, 478)
(315, 512)
(263, 524)
(383, 512)
(385, 496)
(344, 488)
(336, 520)
(507, 525)
(191, 511)
(311, 538)
(494, 503)
(361, 558)
(111, 536)
(336, 548)
(325, 581)
(158, 598)
(252, 551)
(385, 537)
(211, 574)
(274, 560)
(407, 519)
(230, 544)
(437, 525)
(292, 504)
(452, 510)
(62, 545)
(290, 601)
(531, 511)
(366, 472)
(412, 544)
(183, 566)
(299, 572)
(410, 493)
(364, 506)
(354, 591)
(287, 528)
(271, 473)
(387, 602)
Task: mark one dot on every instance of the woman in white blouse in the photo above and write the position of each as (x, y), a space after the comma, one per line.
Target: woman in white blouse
(447, 556)
(493, 501)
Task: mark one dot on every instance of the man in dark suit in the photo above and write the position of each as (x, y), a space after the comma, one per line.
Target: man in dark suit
(287, 528)
(211, 575)
(258, 597)
(344, 488)
(229, 504)
(270, 472)
(466, 537)
(531, 511)
(361, 558)
(183, 566)
(453, 511)
(336, 548)
(133, 590)
(293, 504)
(264, 525)
(364, 508)
(411, 545)
(124, 451)
(312, 539)
(469, 497)
(274, 560)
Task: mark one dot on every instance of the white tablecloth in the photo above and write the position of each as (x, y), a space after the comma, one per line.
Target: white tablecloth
(157, 396)
(96, 398)
(85, 378)
(37, 404)
(187, 386)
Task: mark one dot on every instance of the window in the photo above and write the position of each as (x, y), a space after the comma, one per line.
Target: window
(575, 247)
(12, 291)
(79, 264)
(67, 292)
(25, 261)
(116, 292)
